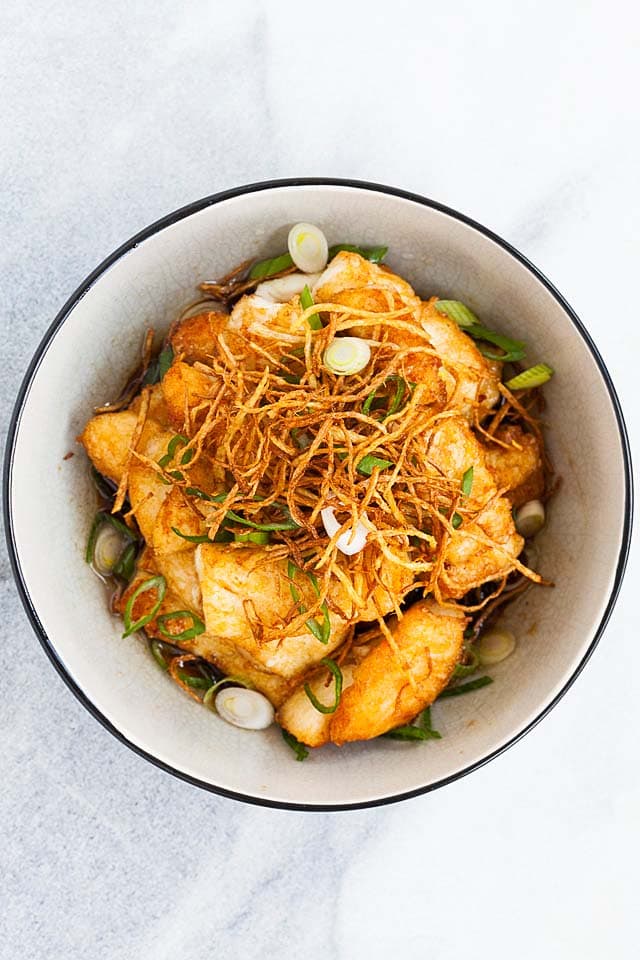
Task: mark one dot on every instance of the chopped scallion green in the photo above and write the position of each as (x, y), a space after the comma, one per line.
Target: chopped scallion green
(233, 517)
(177, 441)
(306, 301)
(533, 377)
(466, 669)
(457, 311)
(266, 527)
(126, 564)
(397, 401)
(268, 268)
(195, 630)
(256, 536)
(159, 366)
(421, 730)
(513, 349)
(156, 649)
(234, 681)
(157, 583)
(460, 313)
(465, 687)
(373, 254)
(467, 482)
(321, 631)
(103, 516)
(337, 674)
(298, 748)
(369, 463)
(201, 495)
(201, 538)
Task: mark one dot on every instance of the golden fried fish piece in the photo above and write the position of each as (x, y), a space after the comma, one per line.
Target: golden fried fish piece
(240, 582)
(377, 692)
(519, 472)
(468, 561)
(470, 379)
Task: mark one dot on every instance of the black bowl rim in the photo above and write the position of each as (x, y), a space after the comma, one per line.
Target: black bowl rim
(149, 231)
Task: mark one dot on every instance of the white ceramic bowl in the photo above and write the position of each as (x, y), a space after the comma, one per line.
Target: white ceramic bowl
(90, 348)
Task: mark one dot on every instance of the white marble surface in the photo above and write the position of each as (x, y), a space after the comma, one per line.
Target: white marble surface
(523, 116)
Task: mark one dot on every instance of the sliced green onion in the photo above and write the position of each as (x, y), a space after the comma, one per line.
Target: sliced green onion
(157, 583)
(196, 492)
(201, 538)
(306, 301)
(266, 527)
(102, 516)
(223, 535)
(421, 730)
(346, 356)
(321, 631)
(466, 669)
(465, 687)
(533, 377)
(373, 254)
(337, 673)
(529, 518)
(126, 564)
(298, 748)
(456, 519)
(257, 536)
(407, 732)
(236, 518)
(195, 630)
(111, 551)
(235, 681)
(177, 441)
(369, 463)
(158, 368)
(268, 268)
(165, 360)
(247, 709)
(366, 406)
(197, 683)
(495, 645)
(308, 247)
(467, 482)
(288, 377)
(156, 647)
(514, 349)
(402, 387)
(103, 485)
(424, 722)
(457, 311)
(460, 313)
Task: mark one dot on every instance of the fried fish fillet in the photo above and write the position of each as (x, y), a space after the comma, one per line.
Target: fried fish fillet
(388, 687)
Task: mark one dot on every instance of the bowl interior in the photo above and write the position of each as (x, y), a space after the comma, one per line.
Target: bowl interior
(51, 500)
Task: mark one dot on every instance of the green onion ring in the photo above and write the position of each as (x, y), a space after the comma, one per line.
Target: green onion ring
(103, 516)
(153, 583)
(213, 689)
(337, 673)
(298, 748)
(465, 687)
(189, 634)
(321, 631)
(306, 301)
